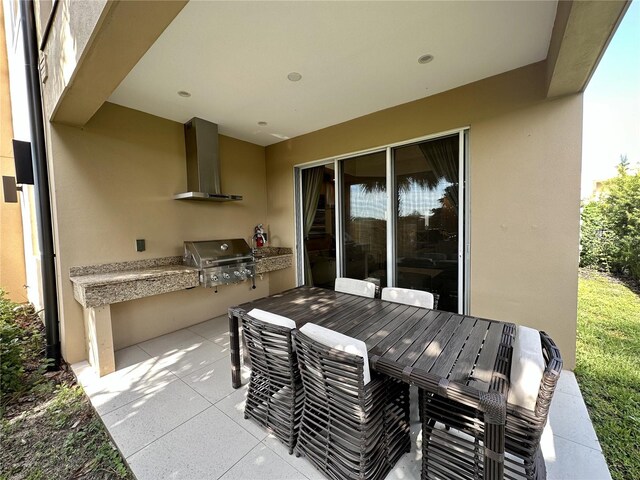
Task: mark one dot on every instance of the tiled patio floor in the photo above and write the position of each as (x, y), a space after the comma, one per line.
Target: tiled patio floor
(173, 414)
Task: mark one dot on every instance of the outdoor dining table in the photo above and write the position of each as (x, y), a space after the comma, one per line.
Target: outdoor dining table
(460, 357)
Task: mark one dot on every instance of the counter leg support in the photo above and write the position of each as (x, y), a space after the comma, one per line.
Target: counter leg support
(99, 338)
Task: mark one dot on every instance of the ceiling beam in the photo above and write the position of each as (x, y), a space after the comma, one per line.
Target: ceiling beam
(120, 39)
(581, 33)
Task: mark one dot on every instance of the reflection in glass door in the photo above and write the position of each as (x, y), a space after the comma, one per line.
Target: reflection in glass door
(318, 223)
(426, 184)
(364, 210)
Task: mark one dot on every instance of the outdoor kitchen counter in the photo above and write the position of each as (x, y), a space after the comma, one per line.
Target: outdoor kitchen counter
(95, 290)
(96, 287)
(269, 259)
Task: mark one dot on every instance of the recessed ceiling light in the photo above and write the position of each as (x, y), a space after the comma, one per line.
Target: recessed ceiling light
(262, 124)
(184, 94)
(425, 58)
(294, 76)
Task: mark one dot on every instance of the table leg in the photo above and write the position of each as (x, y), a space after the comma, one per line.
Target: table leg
(495, 412)
(234, 340)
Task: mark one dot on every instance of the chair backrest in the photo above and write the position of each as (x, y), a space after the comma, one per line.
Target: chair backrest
(536, 365)
(355, 287)
(416, 298)
(340, 342)
(525, 425)
(270, 346)
(272, 318)
(552, 371)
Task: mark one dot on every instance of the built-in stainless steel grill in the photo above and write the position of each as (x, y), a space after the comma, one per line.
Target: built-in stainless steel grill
(221, 262)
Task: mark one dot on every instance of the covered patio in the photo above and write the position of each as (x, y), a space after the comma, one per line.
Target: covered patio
(455, 153)
(173, 413)
(434, 146)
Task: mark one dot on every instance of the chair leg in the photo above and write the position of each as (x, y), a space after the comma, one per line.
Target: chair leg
(407, 415)
(427, 428)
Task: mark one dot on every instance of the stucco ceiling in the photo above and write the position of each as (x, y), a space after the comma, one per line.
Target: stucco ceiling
(355, 58)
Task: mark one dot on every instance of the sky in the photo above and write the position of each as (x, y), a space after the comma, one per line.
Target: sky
(612, 105)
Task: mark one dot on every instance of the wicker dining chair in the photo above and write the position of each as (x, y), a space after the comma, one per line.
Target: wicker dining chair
(355, 425)
(355, 287)
(453, 435)
(274, 395)
(408, 296)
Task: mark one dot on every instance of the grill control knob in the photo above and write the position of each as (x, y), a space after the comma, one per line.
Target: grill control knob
(237, 273)
(247, 271)
(226, 275)
(214, 278)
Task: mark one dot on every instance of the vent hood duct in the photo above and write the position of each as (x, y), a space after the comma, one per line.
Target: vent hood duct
(203, 163)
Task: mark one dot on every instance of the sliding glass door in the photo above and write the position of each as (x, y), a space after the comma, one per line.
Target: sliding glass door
(426, 188)
(364, 217)
(394, 215)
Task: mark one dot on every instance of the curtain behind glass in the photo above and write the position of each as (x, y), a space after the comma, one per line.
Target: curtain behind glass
(311, 188)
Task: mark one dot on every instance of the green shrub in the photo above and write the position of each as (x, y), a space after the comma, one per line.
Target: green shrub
(598, 242)
(12, 352)
(610, 229)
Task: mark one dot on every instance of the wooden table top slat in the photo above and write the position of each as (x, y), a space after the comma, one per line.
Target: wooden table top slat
(467, 359)
(296, 304)
(288, 296)
(366, 329)
(382, 340)
(452, 350)
(282, 301)
(409, 348)
(483, 370)
(371, 313)
(427, 357)
(330, 307)
(340, 314)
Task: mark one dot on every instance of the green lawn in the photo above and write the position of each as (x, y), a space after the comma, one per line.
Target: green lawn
(608, 368)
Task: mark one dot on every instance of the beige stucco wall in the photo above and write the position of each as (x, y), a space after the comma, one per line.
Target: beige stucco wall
(12, 267)
(525, 154)
(113, 181)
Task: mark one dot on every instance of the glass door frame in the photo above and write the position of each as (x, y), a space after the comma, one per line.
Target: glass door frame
(391, 217)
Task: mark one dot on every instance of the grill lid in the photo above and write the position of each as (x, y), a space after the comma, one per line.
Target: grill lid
(206, 253)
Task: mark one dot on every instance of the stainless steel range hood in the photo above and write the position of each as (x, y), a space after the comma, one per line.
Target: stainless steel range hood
(203, 163)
